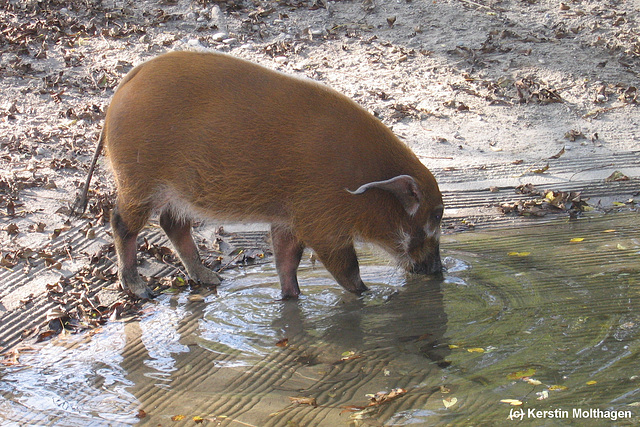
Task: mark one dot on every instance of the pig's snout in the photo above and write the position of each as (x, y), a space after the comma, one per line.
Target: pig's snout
(432, 265)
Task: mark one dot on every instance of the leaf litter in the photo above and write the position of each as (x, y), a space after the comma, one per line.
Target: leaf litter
(542, 202)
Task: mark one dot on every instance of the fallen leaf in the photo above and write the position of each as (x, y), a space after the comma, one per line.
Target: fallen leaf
(512, 402)
(521, 374)
(577, 239)
(384, 397)
(542, 170)
(542, 395)
(197, 419)
(304, 401)
(616, 176)
(519, 254)
(178, 418)
(449, 402)
(592, 382)
(557, 156)
(283, 342)
(141, 414)
(558, 388)
(12, 229)
(476, 350)
(532, 381)
(349, 355)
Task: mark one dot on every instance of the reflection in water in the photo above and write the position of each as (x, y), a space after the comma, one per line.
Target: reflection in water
(565, 315)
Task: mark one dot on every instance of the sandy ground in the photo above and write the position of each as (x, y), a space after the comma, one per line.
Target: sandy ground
(467, 84)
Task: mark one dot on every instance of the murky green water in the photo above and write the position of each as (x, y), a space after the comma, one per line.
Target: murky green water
(557, 304)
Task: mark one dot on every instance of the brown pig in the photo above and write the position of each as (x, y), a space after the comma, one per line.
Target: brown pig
(206, 135)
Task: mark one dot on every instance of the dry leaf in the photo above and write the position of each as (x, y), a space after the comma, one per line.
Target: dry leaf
(542, 170)
(304, 401)
(558, 388)
(558, 155)
(616, 176)
(521, 374)
(512, 402)
(519, 254)
(449, 402)
(384, 397)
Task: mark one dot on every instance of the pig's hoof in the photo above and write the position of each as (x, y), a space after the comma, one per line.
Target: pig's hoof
(141, 290)
(207, 277)
(286, 296)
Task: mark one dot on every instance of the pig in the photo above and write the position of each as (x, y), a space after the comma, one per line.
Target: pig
(195, 135)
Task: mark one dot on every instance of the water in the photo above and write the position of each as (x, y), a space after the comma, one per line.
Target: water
(557, 304)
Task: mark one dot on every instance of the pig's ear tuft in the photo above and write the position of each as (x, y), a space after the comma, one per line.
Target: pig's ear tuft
(404, 187)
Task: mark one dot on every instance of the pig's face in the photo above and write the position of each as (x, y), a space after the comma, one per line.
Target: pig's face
(416, 240)
(419, 243)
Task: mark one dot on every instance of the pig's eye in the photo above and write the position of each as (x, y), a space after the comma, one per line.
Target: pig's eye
(436, 215)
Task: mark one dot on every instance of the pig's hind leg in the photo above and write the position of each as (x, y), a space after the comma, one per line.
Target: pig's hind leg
(178, 230)
(126, 224)
(287, 250)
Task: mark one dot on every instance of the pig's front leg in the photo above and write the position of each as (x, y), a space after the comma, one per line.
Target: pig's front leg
(287, 250)
(342, 263)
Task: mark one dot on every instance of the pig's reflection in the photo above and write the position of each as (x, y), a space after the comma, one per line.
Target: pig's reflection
(411, 319)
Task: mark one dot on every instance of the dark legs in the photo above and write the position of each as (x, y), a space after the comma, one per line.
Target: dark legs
(126, 226)
(342, 263)
(179, 232)
(124, 235)
(288, 252)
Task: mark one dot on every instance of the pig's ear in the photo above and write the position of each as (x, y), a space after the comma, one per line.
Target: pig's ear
(404, 187)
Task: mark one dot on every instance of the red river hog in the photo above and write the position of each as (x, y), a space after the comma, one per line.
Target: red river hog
(207, 135)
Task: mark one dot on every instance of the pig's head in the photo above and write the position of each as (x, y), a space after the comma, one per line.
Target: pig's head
(416, 237)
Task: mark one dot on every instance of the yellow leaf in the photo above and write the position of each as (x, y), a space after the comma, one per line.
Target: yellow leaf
(449, 402)
(576, 239)
(475, 350)
(198, 420)
(533, 382)
(178, 418)
(519, 254)
(622, 248)
(619, 204)
(611, 230)
(521, 374)
(592, 382)
(512, 402)
(558, 387)
(453, 346)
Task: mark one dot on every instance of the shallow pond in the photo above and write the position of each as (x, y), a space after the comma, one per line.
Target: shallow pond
(547, 316)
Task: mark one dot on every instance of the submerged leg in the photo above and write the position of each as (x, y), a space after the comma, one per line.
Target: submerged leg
(179, 232)
(342, 263)
(287, 250)
(125, 233)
